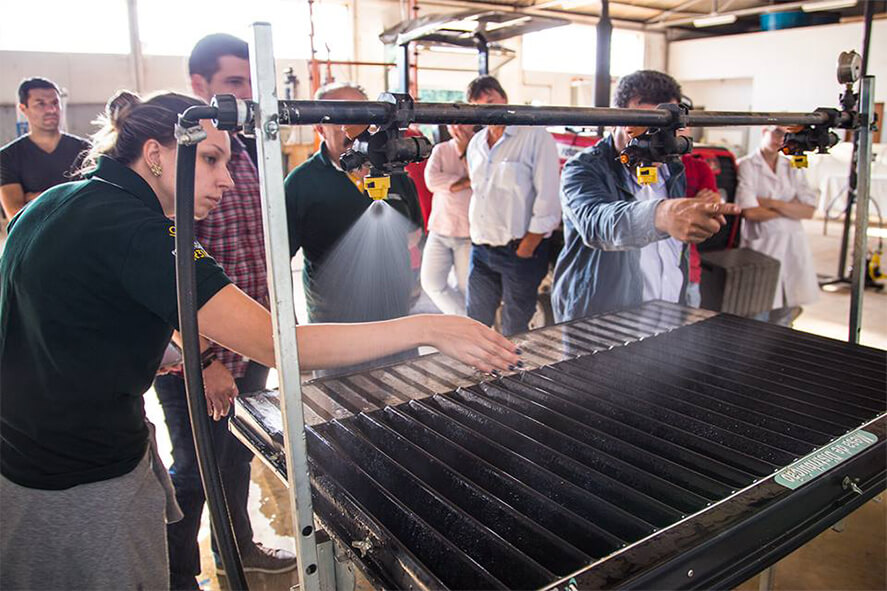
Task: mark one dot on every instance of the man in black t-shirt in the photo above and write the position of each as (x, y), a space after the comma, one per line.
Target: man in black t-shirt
(42, 158)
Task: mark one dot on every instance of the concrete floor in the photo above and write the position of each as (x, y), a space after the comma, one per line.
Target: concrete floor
(854, 559)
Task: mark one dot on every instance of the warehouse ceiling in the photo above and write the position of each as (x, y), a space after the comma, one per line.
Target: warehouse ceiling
(693, 18)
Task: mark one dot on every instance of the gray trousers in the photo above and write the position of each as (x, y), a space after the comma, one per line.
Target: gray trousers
(102, 535)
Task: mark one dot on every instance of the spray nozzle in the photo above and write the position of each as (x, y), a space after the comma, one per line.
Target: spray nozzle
(377, 185)
(656, 145)
(386, 149)
(812, 138)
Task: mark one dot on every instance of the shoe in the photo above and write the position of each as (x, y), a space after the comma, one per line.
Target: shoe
(259, 559)
(184, 583)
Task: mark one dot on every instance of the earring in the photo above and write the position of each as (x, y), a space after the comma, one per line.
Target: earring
(156, 169)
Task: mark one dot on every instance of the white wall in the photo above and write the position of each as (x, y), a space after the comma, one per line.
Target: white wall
(91, 79)
(726, 94)
(792, 70)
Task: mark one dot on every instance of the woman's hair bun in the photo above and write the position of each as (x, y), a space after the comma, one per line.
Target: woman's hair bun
(120, 105)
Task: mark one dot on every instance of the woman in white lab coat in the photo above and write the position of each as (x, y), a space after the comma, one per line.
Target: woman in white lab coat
(774, 198)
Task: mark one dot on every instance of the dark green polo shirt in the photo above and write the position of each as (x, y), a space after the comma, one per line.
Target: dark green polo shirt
(322, 204)
(87, 305)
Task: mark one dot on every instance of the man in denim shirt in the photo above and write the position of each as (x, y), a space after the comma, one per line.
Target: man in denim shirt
(626, 243)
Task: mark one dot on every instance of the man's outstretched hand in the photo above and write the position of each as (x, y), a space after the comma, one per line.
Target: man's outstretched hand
(694, 219)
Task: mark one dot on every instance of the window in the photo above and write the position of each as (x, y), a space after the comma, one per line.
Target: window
(544, 51)
(85, 26)
(626, 52)
(289, 26)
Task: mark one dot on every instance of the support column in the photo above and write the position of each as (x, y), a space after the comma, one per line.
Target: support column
(483, 54)
(135, 45)
(602, 69)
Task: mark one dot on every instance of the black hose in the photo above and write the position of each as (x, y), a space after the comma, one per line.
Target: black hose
(193, 115)
(220, 518)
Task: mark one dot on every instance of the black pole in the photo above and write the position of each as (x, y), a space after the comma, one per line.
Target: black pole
(483, 54)
(602, 70)
(383, 113)
(854, 159)
(186, 156)
(403, 66)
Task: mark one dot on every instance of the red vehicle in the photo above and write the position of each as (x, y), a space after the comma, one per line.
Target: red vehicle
(723, 164)
(572, 141)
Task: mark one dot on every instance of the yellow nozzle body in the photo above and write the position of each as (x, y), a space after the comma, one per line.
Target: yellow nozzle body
(646, 175)
(875, 271)
(798, 161)
(377, 187)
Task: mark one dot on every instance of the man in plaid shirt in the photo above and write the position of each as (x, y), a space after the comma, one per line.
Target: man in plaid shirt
(232, 234)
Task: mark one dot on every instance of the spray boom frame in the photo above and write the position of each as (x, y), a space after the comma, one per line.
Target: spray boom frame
(388, 151)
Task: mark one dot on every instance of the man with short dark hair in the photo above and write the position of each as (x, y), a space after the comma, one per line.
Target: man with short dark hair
(513, 211)
(233, 235)
(626, 243)
(42, 158)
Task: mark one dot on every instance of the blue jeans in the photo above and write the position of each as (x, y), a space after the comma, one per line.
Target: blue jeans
(781, 316)
(496, 274)
(234, 465)
(441, 254)
(693, 298)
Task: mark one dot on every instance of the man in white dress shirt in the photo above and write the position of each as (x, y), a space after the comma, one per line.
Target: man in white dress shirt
(513, 210)
(774, 198)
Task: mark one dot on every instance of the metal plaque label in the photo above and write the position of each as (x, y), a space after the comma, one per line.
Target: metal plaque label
(824, 459)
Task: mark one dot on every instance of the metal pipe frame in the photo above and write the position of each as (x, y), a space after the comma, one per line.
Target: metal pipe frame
(863, 185)
(403, 67)
(602, 78)
(854, 160)
(283, 314)
(483, 54)
(383, 113)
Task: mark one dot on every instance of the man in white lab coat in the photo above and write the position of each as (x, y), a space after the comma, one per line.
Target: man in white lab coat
(774, 198)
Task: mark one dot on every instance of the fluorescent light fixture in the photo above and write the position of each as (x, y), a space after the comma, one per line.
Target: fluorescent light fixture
(827, 5)
(466, 24)
(714, 20)
(508, 23)
(450, 49)
(568, 4)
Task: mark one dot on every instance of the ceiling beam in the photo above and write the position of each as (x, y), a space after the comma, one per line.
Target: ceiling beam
(576, 17)
(753, 11)
(679, 9)
(578, 3)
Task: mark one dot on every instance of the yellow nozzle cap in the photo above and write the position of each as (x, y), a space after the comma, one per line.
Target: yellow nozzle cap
(647, 175)
(799, 161)
(377, 187)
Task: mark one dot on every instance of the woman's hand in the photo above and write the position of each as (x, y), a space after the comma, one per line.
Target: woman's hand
(472, 343)
(221, 390)
(460, 185)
